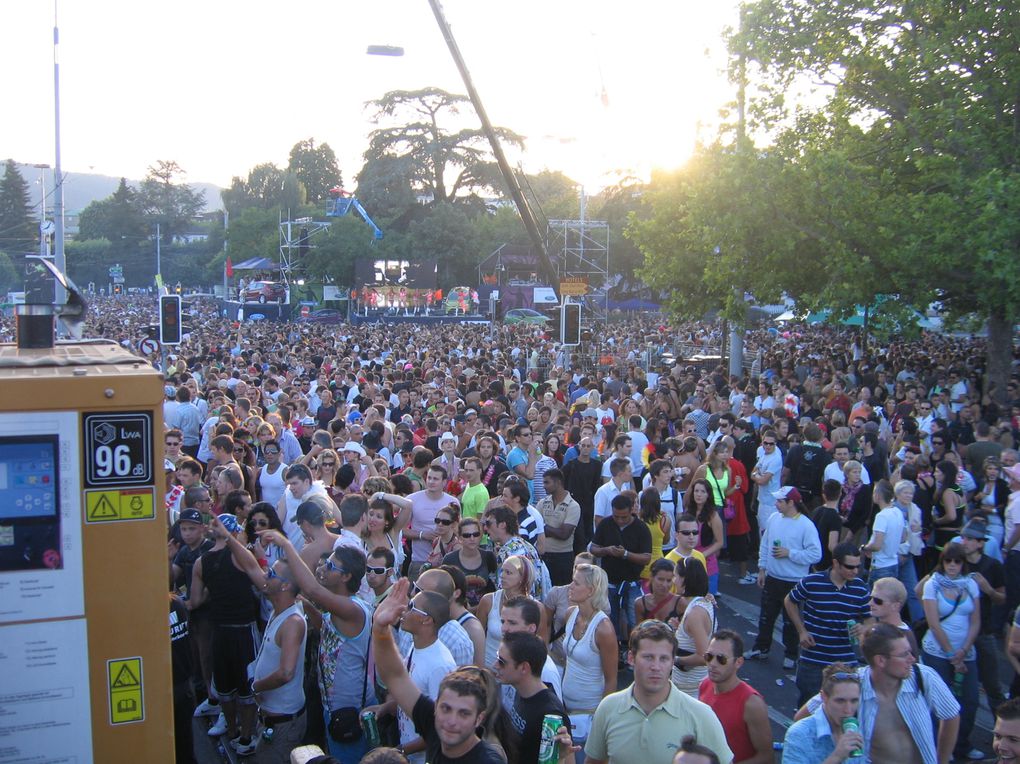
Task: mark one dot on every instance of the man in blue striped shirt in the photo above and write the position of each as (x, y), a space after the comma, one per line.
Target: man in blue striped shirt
(819, 607)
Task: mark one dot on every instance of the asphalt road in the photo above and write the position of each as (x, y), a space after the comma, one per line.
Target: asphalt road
(737, 610)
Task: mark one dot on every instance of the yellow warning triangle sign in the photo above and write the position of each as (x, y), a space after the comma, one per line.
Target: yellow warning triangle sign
(104, 510)
(125, 678)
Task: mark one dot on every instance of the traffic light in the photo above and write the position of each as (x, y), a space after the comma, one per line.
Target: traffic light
(170, 319)
(570, 324)
(117, 289)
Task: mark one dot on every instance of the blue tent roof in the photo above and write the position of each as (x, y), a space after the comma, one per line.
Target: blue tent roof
(634, 304)
(256, 264)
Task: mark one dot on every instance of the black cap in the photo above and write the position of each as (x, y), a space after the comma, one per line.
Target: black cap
(191, 516)
(309, 512)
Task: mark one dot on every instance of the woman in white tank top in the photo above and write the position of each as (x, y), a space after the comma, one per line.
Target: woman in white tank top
(695, 629)
(516, 581)
(590, 646)
(272, 485)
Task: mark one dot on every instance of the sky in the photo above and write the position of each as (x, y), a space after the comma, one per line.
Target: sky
(222, 86)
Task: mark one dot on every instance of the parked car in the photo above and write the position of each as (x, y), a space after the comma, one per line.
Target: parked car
(324, 316)
(525, 316)
(265, 291)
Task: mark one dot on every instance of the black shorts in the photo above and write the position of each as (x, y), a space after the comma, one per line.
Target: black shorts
(233, 649)
(738, 547)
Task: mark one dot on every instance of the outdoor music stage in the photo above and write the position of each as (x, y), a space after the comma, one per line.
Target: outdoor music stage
(432, 320)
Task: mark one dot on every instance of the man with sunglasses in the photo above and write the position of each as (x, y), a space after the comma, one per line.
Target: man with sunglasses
(278, 673)
(448, 720)
(820, 606)
(741, 709)
(379, 573)
(427, 659)
(343, 651)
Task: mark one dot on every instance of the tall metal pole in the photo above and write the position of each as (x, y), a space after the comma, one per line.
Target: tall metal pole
(58, 175)
(516, 193)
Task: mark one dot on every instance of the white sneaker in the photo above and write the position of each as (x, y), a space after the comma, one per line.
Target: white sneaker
(243, 749)
(789, 663)
(205, 708)
(750, 578)
(219, 727)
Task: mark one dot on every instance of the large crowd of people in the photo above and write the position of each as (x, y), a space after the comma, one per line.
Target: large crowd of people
(418, 543)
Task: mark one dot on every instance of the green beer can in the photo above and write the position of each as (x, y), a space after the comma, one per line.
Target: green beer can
(548, 750)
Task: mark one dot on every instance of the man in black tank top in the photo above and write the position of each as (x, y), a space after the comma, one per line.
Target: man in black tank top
(233, 608)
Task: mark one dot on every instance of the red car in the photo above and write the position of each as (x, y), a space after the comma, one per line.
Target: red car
(265, 291)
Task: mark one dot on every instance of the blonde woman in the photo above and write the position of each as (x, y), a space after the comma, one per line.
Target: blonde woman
(590, 646)
(516, 581)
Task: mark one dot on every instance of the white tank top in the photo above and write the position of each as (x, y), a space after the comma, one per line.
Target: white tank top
(688, 681)
(583, 680)
(290, 698)
(493, 629)
(272, 485)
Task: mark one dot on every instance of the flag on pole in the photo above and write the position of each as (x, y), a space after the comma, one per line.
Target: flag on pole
(230, 268)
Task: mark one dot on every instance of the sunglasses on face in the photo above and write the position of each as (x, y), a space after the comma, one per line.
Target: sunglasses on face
(332, 566)
(271, 574)
(688, 533)
(768, 443)
(375, 570)
(272, 451)
(501, 661)
(329, 464)
(172, 443)
(722, 659)
(411, 608)
(851, 567)
(878, 600)
(474, 535)
(843, 676)
(441, 521)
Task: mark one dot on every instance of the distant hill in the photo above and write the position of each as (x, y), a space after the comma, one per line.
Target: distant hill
(81, 188)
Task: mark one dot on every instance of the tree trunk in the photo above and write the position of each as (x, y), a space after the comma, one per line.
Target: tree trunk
(1000, 355)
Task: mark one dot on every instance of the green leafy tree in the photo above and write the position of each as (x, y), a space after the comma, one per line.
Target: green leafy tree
(17, 228)
(497, 227)
(316, 168)
(10, 279)
(120, 219)
(90, 261)
(444, 164)
(922, 97)
(386, 190)
(899, 182)
(616, 204)
(334, 252)
(167, 200)
(267, 187)
(447, 235)
(554, 195)
(254, 233)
